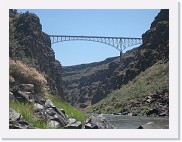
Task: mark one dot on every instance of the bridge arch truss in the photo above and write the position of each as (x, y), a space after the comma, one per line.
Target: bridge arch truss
(120, 43)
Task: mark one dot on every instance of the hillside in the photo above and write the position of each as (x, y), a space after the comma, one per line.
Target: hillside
(147, 94)
(87, 84)
(36, 98)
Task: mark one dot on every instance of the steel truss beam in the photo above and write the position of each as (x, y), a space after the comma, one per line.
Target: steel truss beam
(120, 43)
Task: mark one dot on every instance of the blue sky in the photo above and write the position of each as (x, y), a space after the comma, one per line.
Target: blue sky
(118, 22)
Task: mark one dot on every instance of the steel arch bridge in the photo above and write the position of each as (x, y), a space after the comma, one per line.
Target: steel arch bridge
(120, 43)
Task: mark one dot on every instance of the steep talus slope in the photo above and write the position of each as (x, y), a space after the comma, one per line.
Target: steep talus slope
(33, 47)
(85, 85)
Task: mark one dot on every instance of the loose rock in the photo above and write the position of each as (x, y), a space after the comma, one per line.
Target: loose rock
(11, 96)
(16, 121)
(149, 125)
(49, 104)
(98, 122)
(76, 125)
(71, 120)
(53, 124)
(38, 107)
(26, 87)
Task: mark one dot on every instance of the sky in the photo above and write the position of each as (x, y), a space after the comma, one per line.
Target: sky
(92, 22)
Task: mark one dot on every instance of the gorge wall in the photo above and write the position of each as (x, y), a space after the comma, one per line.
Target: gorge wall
(87, 84)
(30, 45)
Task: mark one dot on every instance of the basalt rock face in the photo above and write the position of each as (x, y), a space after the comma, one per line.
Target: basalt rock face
(29, 44)
(87, 84)
(156, 39)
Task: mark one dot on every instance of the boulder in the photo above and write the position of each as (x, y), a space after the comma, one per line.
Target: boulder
(153, 112)
(98, 122)
(163, 113)
(50, 111)
(61, 112)
(16, 121)
(149, 125)
(55, 114)
(53, 124)
(71, 120)
(132, 114)
(124, 113)
(11, 96)
(49, 103)
(149, 100)
(13, 115)
(38, 107)
(119, 113)
(39, 98)
(76, 125)
(26, 87)
(23, 96)
(83, 105)
(19, 125)
(91, 126)
(58, 118)
(51, 108)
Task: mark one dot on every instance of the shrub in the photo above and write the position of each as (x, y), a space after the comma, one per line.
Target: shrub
(24, 74)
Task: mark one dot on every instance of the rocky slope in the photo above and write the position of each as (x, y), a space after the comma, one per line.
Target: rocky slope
(29, 44)
(86, 85)
(31, 111)
(147, 94)
(36, 98)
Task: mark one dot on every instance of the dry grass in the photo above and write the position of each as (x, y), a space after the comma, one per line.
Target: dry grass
(23, 73)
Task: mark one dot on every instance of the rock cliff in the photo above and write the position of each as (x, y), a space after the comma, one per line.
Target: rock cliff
(29, 44)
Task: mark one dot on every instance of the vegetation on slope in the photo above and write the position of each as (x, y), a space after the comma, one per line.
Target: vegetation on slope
(21, 73)
(70, 110)
(154, 79)
(26, 110)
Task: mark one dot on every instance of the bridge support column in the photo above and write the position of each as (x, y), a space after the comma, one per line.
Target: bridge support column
(120, 55)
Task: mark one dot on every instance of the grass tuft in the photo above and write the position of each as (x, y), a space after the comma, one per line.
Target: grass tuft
(70, 111)
(26, 110)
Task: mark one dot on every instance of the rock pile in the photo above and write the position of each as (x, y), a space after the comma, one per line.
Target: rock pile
(56, 118)
(158, 104)
(16, 121)
(98, 122)
(45, 108)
